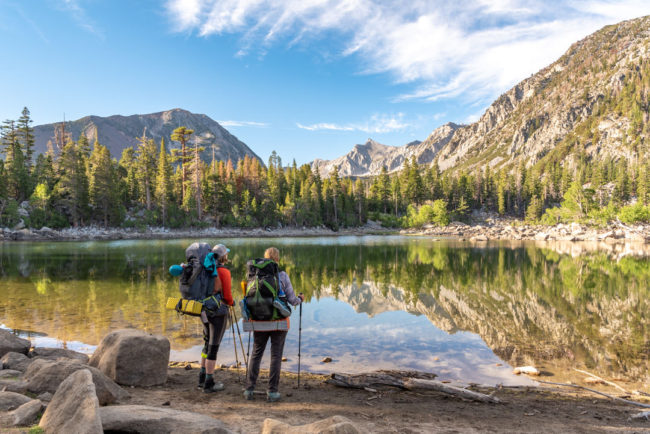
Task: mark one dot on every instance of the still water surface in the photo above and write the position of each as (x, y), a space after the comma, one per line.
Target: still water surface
(464, 312)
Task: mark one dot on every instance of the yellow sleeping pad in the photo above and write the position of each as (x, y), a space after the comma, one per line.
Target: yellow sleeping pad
(188, 307)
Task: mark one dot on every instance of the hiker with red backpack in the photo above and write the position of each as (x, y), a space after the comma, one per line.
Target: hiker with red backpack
(205, 287)
(215, 320)
(269, 291)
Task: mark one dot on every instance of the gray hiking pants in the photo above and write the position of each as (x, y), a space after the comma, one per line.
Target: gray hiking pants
(277, 346)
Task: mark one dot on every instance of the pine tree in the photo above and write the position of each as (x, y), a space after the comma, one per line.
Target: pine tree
(146, 164)
(181, 135)
(26, 138)
(103, 196)
(164, 185)
(71, 190)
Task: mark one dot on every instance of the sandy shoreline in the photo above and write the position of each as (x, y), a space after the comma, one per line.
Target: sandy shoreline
(389, 410)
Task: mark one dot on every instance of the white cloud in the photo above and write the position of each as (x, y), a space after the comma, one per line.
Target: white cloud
(445, 49)
(377, 124)
(243, 124)
(82, 19)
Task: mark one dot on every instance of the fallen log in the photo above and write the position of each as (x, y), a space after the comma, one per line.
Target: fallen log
(365, 381)
(643, 415)
(615, 398)
(408, 381)
(416, 383)
(611, 383)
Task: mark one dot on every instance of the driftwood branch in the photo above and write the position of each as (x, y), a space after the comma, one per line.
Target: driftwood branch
(643, 415)
(638, 404)
(416, 383)
(611, 383)
(408, 381)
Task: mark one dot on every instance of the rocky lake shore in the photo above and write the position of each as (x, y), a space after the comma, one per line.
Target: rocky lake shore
(479, 230)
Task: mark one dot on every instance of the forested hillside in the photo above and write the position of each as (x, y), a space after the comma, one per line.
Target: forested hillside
(570, 143)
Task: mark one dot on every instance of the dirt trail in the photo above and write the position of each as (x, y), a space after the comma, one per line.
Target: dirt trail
(391, 410)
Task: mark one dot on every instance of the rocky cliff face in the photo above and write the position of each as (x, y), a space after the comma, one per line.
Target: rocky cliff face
(118, 132)
(582, 102)
(369, 158)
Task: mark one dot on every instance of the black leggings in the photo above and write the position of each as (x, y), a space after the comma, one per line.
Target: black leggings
(214, 327)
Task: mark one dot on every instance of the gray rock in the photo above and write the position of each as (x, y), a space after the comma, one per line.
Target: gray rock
(9, 342)
(16, 361)
(45, 397)
(479, 238)
(132, 357)
(17, 386)
(74, 407)
(47, 375)
(11, 400)
(331, 425)
(10, 373)
(153, 420)
(20, 225)
(541, 236)
(55, 353)
(24, 415)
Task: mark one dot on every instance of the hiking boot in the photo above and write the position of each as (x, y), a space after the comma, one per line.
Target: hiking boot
(210, 386)
(201, 380)
(273, 396)
(248, 395)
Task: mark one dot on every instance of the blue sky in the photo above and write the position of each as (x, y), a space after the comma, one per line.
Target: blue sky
(307, 78)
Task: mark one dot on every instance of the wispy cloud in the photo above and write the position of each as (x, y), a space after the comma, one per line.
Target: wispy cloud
(34, 26)
(444, 49)
(243, 124)
(377, 124)
(82, 19)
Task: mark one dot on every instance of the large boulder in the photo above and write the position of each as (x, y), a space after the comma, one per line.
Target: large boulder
(16, 361)
(47, 375)
(24, 415)
(133, 358)
(331, 425)
(10, 342)
(56, 353)
(74, 407)
(11, 400)
(154, 420)
(10, 374)
(13, 385)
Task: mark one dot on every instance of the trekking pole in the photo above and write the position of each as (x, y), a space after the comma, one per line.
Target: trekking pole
(248, 353)
(234, 343)
(241, 342)
(299, 341)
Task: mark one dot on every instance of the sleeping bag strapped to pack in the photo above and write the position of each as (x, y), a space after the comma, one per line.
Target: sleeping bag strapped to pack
(262, 289)
(195, 282)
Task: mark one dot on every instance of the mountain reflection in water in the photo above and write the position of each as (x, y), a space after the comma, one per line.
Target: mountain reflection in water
(374, 302)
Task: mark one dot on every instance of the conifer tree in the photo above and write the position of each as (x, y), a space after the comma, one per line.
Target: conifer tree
(26, 138)
(181, 135)
(146, 164)
(164, 185)
(71, 189)
(102, 182)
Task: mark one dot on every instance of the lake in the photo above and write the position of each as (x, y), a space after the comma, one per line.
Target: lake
(466, 312)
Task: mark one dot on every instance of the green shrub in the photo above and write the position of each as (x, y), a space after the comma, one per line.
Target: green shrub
(9, 216)
(636, 213)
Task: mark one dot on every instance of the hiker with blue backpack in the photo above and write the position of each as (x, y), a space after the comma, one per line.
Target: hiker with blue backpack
(215, 321)
(205, 287)
(269, 291)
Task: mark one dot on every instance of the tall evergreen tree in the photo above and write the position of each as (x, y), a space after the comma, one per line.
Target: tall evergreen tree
(146, 165)
(103, 196)
(164, 183)
(71, 190)
(26, 138)
(181, 135)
